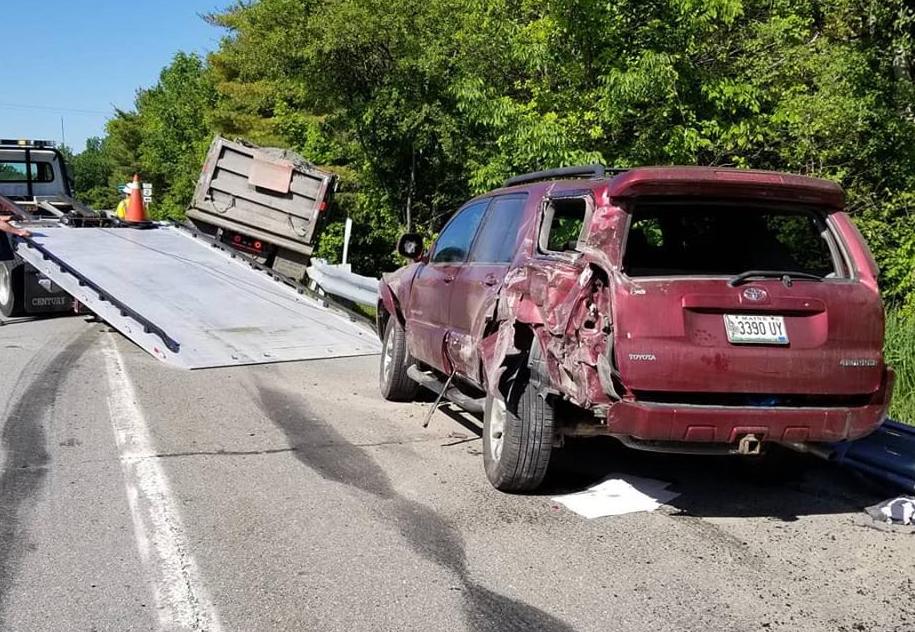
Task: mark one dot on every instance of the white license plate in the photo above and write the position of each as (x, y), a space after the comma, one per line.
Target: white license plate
(752, 329)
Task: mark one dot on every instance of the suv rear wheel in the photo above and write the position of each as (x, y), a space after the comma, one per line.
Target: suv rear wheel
(395, 384)
(11, 288)
(518, 430)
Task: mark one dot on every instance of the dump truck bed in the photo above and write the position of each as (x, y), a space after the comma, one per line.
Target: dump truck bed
(187, 301)
(269, 194)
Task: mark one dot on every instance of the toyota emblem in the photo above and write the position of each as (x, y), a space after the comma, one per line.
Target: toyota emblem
(755, 294)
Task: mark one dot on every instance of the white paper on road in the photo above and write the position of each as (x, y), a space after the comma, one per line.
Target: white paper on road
(618, 494)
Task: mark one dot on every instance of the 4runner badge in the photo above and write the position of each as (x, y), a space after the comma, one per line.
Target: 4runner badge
(755, 294)
(857, 362)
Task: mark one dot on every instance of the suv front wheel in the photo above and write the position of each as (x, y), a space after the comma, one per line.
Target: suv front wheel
(518, 430)
(395, 384)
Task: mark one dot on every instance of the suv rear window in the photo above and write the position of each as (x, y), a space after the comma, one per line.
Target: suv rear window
(712, 240)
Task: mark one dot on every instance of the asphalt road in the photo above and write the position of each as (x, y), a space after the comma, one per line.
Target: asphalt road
(138, 497)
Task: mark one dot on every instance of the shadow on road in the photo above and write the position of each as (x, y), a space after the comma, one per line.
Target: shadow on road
(784, 487)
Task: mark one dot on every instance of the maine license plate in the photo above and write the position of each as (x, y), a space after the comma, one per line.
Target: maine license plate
(752, 329)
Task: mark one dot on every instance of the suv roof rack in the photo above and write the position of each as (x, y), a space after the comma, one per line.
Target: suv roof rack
(580, 171)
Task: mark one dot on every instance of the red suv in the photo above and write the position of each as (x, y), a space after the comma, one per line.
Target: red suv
(683, 309)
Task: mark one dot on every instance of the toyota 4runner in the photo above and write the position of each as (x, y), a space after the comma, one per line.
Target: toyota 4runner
(683, 309)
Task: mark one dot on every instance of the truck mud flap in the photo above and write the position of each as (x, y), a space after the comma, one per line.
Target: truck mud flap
(43, 296)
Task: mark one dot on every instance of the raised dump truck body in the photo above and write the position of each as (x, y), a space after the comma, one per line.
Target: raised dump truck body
(266, 202)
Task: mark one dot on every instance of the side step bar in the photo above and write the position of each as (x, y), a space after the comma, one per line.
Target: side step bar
(452, 394)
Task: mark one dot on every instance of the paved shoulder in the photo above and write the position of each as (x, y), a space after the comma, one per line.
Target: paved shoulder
(67, 554)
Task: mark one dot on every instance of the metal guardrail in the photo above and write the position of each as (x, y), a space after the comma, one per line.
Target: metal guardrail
(340, 280)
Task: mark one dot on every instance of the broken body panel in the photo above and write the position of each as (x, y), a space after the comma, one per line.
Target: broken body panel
(649, 357)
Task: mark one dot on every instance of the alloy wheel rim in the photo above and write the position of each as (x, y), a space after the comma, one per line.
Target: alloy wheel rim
(497, 415)
(387, 358)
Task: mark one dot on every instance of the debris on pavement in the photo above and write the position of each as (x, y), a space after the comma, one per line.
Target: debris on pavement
(887, 454)
(899, 510)
(618, 495)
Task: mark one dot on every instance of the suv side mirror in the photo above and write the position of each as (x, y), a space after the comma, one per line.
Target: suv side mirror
(410, 246)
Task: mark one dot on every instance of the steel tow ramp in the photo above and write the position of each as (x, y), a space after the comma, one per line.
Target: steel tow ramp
(188, 302)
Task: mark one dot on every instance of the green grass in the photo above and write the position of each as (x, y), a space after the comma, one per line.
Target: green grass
(900, 354)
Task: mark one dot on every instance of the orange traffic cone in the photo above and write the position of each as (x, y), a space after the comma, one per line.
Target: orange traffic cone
(135, 209)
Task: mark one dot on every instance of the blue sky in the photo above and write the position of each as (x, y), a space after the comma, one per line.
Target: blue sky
(81, 58)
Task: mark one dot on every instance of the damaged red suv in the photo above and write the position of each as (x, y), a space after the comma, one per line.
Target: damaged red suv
(682, 309)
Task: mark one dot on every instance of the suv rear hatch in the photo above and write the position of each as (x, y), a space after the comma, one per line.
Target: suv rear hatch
(745, 289)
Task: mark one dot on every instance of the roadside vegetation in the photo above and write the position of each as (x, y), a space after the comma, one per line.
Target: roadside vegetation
(419, 104)
(900, 353)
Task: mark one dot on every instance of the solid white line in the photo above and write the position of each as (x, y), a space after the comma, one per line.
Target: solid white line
(181, 599)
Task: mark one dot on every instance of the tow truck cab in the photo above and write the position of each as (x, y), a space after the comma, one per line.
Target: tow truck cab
(33, 174)
(32, 171)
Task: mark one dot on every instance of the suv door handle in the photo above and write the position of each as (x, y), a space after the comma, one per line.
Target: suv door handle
(448, 279)
(490, 280)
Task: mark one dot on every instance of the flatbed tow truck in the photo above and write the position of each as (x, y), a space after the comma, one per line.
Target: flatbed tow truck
(197, 295)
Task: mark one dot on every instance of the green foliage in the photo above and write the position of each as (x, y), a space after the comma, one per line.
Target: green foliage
(91, 170)
(166, 139)
(163, 140)
(900, 354)
(418, 104)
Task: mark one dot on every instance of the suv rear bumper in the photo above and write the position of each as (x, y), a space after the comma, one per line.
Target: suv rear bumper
(689, 423)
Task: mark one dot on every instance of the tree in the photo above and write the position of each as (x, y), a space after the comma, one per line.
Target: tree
(92, 172)
(165, 138)
(419, 104)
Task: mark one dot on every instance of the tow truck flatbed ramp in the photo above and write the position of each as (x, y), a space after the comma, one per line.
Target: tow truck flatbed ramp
(187, 302)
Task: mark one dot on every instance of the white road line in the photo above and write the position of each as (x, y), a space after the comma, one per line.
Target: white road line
(181, 599)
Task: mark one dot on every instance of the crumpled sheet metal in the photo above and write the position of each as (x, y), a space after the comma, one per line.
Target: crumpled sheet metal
(568, 308)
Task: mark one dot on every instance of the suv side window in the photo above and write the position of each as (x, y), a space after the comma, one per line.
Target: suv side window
(499, 235)
(563, 220)
(454, 243)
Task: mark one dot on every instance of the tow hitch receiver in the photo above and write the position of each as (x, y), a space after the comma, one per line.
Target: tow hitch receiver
(749, 444)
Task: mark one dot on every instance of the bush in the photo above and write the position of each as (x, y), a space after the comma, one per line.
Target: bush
(900, 354)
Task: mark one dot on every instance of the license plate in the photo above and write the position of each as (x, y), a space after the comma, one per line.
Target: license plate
(752, 329)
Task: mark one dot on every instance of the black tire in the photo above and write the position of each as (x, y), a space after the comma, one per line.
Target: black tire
(517, 456)
(395, 384)
(12, 283)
